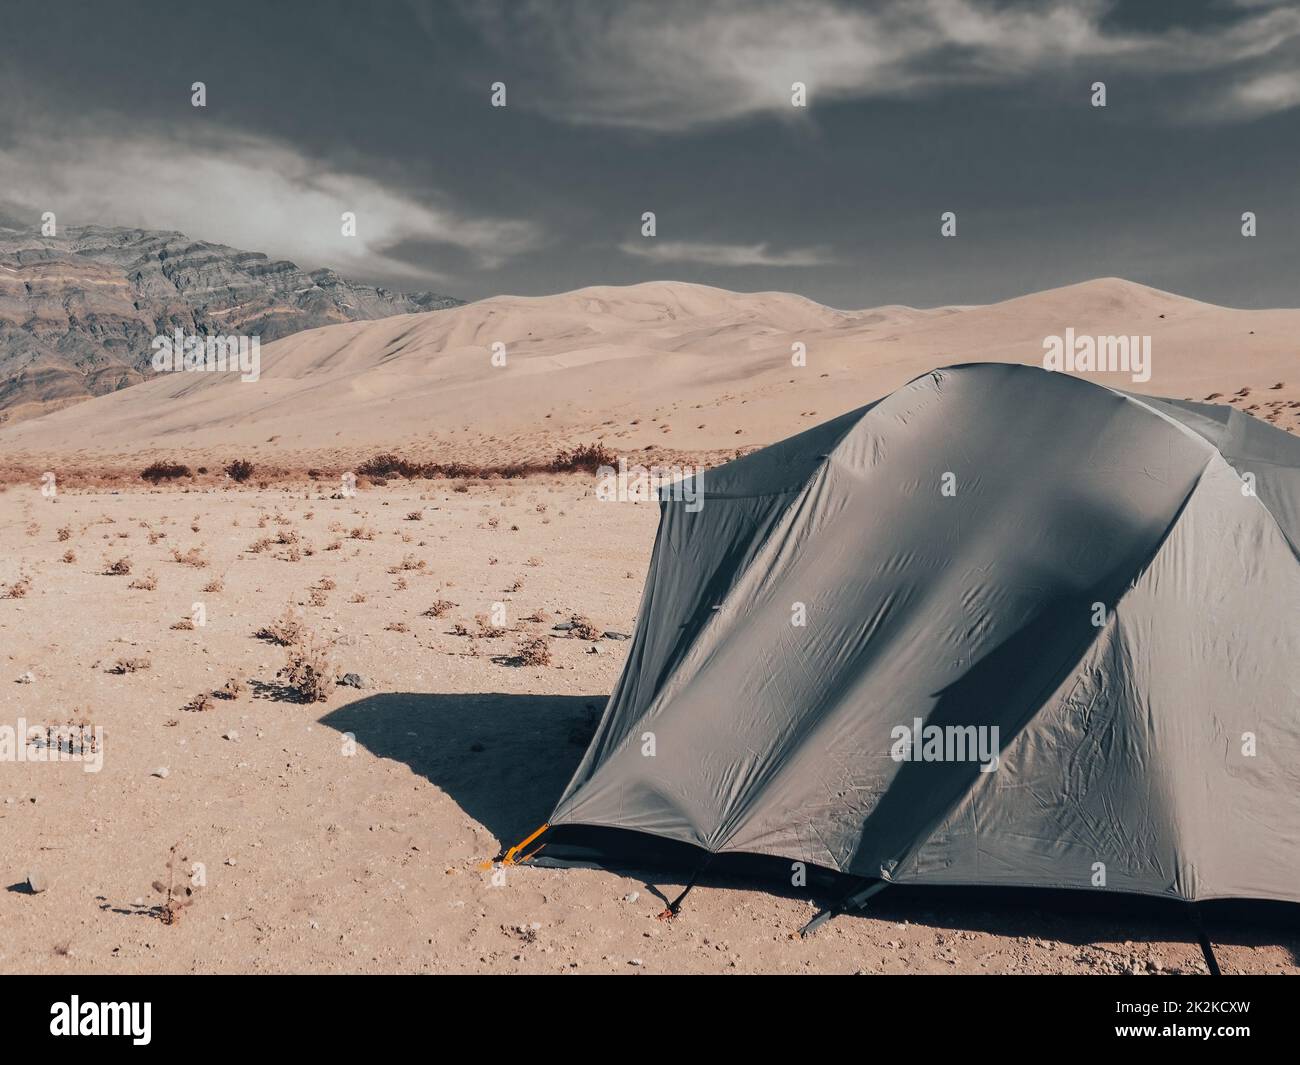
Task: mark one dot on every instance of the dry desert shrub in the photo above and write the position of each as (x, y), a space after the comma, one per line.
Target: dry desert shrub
(358, 597)
(120, 568)
(155, 536)
(64, 534)
(240, 470)
(157, 472)
(308, 671)
(409, 562)
(192, 557)
(232, 689)
(534, 651)
(415, 515)
(583, 629)
(362, 532)
(147, 583)
(175, 898)
(69, 555)
(184, 625)
(538, 615)
(439, 607)
(201, 703)
(517, 585)
(486, 630)
(285, 630)
(397, 626)
(317, 596)
(214, 585)
(129, 665)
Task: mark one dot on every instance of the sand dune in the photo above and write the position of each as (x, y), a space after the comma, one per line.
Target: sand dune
(663, 366)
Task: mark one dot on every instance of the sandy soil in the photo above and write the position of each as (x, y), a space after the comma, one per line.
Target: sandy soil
(321, 860)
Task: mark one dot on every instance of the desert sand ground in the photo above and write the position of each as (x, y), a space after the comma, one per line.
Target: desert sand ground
(318, 860)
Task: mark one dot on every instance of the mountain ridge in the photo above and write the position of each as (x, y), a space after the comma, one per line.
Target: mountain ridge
(78, 312)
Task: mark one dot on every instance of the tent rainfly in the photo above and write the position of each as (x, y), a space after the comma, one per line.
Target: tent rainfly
(1003, 627)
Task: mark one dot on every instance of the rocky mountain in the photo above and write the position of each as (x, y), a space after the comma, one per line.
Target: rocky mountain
(78, 312)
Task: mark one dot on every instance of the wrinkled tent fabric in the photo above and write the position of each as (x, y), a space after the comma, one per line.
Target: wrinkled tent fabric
(1112, 583)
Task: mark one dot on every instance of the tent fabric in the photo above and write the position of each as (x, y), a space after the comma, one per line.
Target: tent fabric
(1110, 581)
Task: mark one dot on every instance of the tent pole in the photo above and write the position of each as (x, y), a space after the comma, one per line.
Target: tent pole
(1207, 948)
(854, 901)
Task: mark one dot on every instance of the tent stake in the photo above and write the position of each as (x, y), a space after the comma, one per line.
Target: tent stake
(855, 901)
(1207, 948)
(675, 906)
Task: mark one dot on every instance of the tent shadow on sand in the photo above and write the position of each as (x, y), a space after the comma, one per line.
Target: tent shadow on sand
(531, 745)
(504, 759)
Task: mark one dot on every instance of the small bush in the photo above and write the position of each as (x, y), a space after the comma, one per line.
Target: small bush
(285, 630)
(308, 672)
(147, 583)
(164, 471)
(129, 665)
(585, 458)
(240, 470)
(534, 651)
(120, 568)
(199, 704)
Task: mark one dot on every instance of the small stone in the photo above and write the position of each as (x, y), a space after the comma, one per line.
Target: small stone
(163, 772)
(232, 735)
(230, 861)
(563, 626)
(27, 678)
(632, 896)
(37, 882)
(353, 680)
(635, 961)
(594, 649)
(610, 634)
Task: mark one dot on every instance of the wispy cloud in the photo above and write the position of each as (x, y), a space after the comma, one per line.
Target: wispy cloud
(686, 251)
(682, 64)
(246, 192)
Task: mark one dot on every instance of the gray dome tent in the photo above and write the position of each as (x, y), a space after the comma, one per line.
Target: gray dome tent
(1003, 627)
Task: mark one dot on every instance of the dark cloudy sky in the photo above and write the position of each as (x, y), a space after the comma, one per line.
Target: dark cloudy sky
(916, 107)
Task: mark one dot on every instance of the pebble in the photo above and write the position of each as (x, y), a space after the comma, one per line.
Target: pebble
(163, 772)
(232, 735)
(632, 896)
(26, 678)
(353, 680)
(37, 882)
(635, 961)
(610, 634)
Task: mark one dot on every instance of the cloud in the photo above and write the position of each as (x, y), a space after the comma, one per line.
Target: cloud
(686, 251)
(683, 64)
(243, 191)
